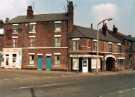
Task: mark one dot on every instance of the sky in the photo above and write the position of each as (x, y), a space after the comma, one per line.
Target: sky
(86, 11)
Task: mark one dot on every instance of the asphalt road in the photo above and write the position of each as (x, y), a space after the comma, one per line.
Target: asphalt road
(16, 84)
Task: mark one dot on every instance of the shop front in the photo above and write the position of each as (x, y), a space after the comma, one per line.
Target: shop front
(85, 63)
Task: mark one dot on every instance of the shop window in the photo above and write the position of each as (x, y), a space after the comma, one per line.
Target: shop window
(120, 61)
(7, 59)
(31, 59)
(14, 58)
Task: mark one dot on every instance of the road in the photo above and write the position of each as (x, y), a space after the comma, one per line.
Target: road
(29, 84)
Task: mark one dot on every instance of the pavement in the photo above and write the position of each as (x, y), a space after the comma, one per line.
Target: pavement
(55, 74)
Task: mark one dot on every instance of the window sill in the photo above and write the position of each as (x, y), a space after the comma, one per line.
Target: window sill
(32, 32)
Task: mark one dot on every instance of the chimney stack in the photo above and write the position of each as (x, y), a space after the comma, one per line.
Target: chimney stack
(115, 29)
(70, 15)
(104, 29)
(91, 26)
(30, 12)
(6, 20)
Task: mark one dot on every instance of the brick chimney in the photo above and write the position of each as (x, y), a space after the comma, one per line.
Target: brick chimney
(29, 12)
(91, 27)
(104, 29)
(115, 29)
(70, 14)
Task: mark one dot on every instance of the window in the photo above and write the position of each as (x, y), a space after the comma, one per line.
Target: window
(120, 61)
(32, 41)
(75, 45)
(14, 42)
(57, 25)
(7, 59)
(31, 59)
(32, 28)
(14, 58)
(120, 48)
(15, 29)
(94, 45)
(57, 41)
(110, 47)
(57, 60)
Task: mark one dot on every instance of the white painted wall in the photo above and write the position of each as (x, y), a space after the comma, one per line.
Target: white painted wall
(10, 52)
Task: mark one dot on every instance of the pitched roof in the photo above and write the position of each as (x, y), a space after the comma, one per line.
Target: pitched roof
(122, 37)
(130, 38)
(83, 32)
(39, 18)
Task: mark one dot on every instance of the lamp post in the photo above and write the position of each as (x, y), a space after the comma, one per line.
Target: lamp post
(97, 36)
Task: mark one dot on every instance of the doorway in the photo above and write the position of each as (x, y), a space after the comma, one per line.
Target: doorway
(39, 62)
(110, 64)
(48, 63)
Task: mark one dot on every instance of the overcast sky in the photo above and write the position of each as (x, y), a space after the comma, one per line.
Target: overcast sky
(86, 11)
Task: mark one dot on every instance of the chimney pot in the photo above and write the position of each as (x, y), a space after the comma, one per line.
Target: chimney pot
(29, 12)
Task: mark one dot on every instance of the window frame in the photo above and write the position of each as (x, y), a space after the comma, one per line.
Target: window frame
(15, 28)
(33, 29)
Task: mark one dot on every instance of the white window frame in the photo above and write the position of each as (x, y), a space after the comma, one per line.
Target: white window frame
(57, 29)
(14, 42)
(58, 42)
(94, 45)
(56, 61)
(15, 29)
(110, 43)
(32, 40)
(33, 29)
(31, 61)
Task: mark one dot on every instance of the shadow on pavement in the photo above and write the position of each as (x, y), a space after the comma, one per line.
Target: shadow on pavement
(32, 92)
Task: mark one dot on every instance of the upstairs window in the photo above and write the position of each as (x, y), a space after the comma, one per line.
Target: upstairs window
(32, 41)
(75, 45)
(57, 26)
(110, 46)
(57, 40)
(94, 45)
(14, 42)
(119, 48)
(32, 27)
(15, 28)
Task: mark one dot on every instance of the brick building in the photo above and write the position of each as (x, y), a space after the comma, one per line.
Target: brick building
(83, 50)
(38, 41)
(53, 42)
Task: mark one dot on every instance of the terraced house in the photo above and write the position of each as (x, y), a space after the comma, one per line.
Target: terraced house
(38, 41)
(53, 42)
(83, 50)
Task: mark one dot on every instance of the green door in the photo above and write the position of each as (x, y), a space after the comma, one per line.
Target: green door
(39, 62)
(48, 63)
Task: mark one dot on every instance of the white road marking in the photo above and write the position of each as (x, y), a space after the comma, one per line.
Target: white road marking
(45, 85)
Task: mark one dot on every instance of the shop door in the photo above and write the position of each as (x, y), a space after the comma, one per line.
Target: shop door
(85, 65)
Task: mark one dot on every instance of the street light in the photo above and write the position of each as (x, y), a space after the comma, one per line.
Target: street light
(108, 19)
